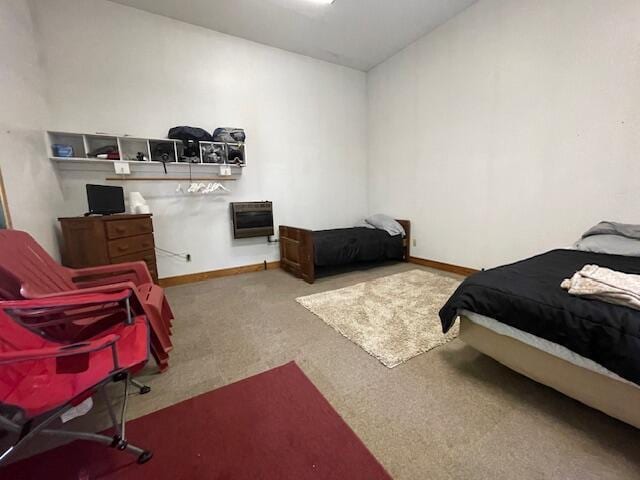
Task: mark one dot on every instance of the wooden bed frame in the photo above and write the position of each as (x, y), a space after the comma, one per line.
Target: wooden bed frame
(297, 251)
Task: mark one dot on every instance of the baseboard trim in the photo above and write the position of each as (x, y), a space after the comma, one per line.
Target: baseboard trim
(225, 272)
(257, 267)
(446, 267)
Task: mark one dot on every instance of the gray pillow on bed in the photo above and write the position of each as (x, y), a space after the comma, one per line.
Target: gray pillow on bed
(386, 223)
(364, 224)
(612, 244)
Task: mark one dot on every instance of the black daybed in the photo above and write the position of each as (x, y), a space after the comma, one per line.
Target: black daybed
(301, 250)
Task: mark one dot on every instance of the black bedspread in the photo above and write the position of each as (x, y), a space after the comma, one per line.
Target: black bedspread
(527, 296)
(343, 246)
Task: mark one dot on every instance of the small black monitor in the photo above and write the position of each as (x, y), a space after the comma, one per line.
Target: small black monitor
(105, 200)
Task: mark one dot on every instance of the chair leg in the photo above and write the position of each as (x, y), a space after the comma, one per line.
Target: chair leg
(158, 329)
(167, 313)
(163, 366)
(143, 456)
(118, 441)
(144, 389)
(25, 433)
(160, 356)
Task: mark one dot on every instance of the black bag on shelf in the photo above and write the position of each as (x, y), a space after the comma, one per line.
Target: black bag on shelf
(107, 149)
(190, 134)
(235, 154)
(229, 135)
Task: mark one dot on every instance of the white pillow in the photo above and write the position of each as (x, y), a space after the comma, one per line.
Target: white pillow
(386, 223)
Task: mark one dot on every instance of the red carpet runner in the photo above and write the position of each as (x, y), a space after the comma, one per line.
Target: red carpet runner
(272, 426)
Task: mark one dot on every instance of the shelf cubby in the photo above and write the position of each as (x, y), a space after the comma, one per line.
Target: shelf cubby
(161, 147)
(73, 140)
(130, 147)
(213, 153)
(94, 143)
(236, 154)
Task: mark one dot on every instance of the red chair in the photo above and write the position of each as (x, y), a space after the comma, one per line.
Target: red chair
(41, 379)
(27, 271)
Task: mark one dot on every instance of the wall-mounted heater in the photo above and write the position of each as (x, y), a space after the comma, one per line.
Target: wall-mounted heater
(252, 219)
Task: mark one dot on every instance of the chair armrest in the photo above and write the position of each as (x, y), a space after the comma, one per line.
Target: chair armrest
(56, 312)
(105, 289)
(139, 270)
(74, 298)
(7, 358)
(65, 309)
(136, 302)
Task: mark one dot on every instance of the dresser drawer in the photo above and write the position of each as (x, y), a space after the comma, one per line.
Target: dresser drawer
(128, 228)
(148, 257)
(129, 245)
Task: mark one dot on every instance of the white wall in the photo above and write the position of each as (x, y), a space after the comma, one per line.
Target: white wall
(511, 129)
(507, 131)
(115, 69)
(33, 191)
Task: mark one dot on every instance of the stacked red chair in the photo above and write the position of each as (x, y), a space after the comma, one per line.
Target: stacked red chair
(41, 378)
(27, 271)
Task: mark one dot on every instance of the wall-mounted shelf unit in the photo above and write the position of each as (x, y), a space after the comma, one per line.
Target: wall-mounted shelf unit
(171, 179)
(67, 147)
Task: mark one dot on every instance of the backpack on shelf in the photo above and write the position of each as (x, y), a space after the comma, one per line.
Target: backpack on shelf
(191, 138)
(187, 134)
(229, 135)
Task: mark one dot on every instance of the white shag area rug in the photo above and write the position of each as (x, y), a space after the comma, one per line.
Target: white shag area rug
(393, 318)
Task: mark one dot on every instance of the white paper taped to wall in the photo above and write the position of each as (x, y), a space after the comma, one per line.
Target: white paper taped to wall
(122, 168)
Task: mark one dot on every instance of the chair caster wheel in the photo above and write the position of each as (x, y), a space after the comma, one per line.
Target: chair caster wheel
(144, 390)
(145, 457)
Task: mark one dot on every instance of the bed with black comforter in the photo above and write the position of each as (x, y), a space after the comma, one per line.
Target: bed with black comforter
(527, 295)
(344, 246)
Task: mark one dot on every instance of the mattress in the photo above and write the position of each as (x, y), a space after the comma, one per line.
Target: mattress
(542, 344)
(344, 246)
(527, 296)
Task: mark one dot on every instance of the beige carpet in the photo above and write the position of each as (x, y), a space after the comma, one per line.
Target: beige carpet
(450, 414)
(393, 318)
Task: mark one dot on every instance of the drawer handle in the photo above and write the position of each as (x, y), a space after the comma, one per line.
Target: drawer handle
(123, 248)
(121, 229)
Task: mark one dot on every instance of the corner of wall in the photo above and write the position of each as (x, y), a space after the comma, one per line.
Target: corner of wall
(32, 187)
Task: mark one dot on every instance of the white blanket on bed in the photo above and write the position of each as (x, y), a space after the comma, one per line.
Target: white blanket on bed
(605, 285)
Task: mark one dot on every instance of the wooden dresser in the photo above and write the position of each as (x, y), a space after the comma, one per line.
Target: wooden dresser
(93, 241)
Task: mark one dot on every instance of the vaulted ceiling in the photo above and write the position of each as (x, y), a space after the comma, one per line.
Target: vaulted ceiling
(355, 33)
